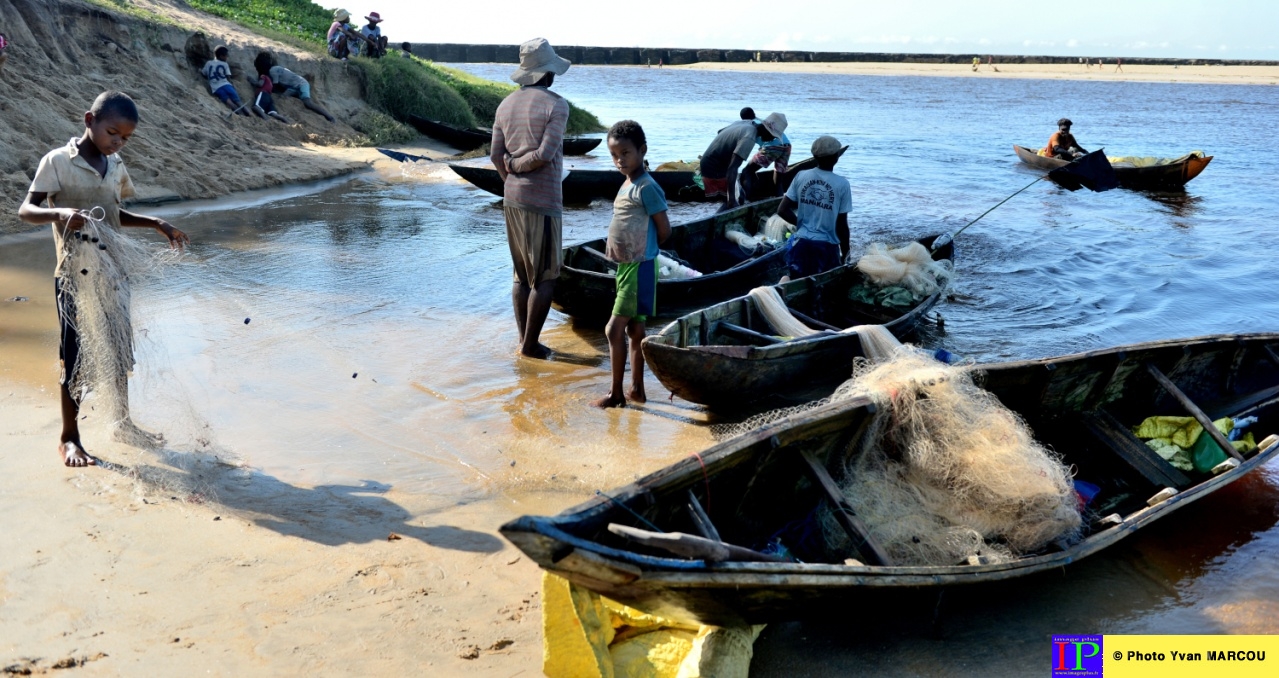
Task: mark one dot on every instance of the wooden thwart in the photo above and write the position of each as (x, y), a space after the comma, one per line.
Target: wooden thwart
(1154, 468)
(1194, 411)
(747, 333)
(844, 513)
(813, 322)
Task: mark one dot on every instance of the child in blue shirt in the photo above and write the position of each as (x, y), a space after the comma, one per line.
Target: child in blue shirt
(817, 202)
(639, 224)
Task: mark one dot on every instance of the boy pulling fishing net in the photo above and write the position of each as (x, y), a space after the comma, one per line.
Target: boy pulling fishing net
(84, 183)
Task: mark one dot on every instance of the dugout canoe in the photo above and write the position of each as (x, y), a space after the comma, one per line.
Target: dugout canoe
(1080, 405)
(1171, 176)
(705, 357)
(470, 139)
(581, 186)
(587, 285)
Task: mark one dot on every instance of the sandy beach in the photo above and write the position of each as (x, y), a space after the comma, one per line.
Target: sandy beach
(1223, 75)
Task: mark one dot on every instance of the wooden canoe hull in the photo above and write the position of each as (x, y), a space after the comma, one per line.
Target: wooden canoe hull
(1160, 177)
(586, 289)
(471, 139)
(751, 484)
(726, 378)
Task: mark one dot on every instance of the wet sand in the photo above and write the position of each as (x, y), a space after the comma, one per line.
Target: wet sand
(1225, 75)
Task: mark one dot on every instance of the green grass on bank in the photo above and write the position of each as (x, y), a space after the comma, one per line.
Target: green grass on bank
(395, 86)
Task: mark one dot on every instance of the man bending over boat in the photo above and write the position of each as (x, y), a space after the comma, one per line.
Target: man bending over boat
(1062, 143)
(817, 202)
(528, 152)
(724, 157)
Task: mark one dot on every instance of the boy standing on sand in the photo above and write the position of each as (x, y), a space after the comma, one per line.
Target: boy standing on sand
(818, 203)
(84, 174)
(639, 225)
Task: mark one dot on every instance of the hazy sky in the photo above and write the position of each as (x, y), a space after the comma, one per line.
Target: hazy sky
(1227, 29)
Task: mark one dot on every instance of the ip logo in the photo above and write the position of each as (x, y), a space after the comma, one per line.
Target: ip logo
(1077, 656)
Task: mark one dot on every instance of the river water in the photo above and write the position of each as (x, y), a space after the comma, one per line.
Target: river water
(361, 330)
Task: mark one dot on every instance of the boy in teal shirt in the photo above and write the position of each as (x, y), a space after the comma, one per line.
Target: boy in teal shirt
(639, 224)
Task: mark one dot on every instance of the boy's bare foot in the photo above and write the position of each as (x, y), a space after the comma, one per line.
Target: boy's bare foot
(73, 455)
(610, 400)
(540, 352)
(637, 394)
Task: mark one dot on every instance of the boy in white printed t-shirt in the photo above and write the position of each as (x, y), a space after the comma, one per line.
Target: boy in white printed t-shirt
(818, 203)
(639, 225)
(218, 73)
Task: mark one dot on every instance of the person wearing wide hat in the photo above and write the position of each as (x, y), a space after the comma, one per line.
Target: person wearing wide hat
(375, 42)
(339, 37)
(775, 153)
(723, 158)
(528, 151)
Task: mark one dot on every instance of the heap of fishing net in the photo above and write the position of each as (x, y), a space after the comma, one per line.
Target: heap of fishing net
(100, 266)
(945, 472)
(910, 266)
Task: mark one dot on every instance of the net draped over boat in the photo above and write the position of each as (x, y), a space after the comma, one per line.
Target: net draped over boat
(944, 471)
(911, 266)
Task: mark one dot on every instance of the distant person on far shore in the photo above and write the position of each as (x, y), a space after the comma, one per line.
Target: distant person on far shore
(976, 63)
(528, 151)
(724, 157)
(639, 225)
(218, 72)
(818, 203)
(1119, 65)
(293, 84)
(1062, 143)
(1100, 63)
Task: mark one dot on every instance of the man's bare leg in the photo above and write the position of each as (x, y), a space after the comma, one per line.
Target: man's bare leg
(519, 300)
(538, 307)
(318, 109)
(636, 331)
(69, 447)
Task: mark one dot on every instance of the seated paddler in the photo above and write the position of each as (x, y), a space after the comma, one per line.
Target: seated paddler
(1062, 143)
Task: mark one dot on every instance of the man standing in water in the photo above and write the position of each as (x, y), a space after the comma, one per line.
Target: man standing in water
(528, 152)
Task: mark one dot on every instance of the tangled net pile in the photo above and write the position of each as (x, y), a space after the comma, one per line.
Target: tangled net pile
(910, 266)
(101, 265)
(944, 471)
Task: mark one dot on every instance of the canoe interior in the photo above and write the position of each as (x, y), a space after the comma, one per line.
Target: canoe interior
(824, 297)
(1154, 178)
(755, 486)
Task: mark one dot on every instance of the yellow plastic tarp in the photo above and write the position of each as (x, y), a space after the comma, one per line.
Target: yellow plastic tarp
(1179, 431)
(588, 635)
(1149, 160)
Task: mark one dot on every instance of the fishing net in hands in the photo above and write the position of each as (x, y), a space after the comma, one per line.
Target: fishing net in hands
(945, 471)
(911, 266)
(100, 266)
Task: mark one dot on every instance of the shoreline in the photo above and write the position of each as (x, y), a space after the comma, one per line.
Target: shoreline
(1222, 75)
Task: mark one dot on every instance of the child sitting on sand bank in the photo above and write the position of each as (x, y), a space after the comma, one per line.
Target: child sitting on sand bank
(218, 73)
(263, 104)
(639, 224)
(87, 174)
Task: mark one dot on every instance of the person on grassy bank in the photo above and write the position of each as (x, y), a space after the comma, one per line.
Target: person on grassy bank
(84, 175)
(527, 149)
(639, 225)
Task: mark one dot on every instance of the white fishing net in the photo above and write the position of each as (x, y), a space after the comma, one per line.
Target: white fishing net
(910, 266)
(944, 471)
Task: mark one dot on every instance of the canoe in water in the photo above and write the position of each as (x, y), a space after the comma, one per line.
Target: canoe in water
(705, 357)
(470, 139)
(753, 486)
(1170, 176)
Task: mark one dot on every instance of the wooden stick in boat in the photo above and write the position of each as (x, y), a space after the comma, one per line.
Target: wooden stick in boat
(597, 254)
(1271, 352)
(743, 332)
(843, 512)
(814, 322)
(691, 546)
(701, 520)
(1194, 411)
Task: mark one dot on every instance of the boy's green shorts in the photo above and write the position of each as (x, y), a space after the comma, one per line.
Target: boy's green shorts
(636, 290)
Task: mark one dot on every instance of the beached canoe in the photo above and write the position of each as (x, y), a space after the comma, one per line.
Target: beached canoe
(1170, 176)
(727, 356)
(1082, 406)
(471, 139)
(587, 285)
(581, 186)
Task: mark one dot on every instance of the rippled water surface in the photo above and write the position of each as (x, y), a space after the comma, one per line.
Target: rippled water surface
(380, 344)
